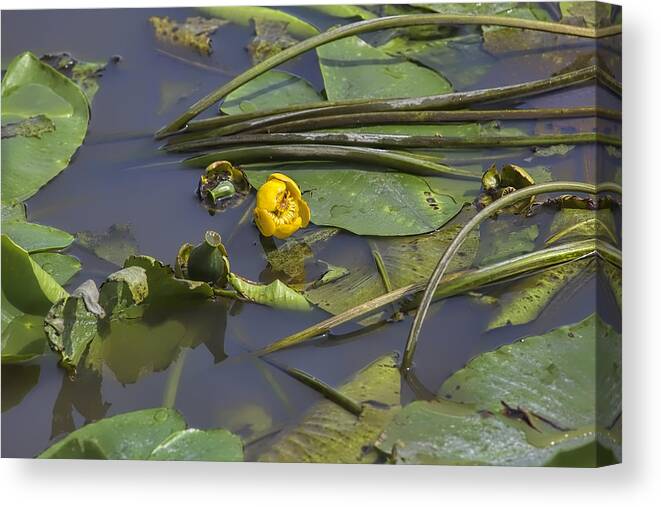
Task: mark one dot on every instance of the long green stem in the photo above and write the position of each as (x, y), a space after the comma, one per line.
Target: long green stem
(390, 159)
(393, 141)
(369, 26)
(455, 283)
(233, 124)
(435, 117)
(444, 261)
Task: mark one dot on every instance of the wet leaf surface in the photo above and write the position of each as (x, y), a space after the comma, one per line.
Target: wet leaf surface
(330, 434)
(31, 88)
(199, 445)
(61, 267)
(553, 379)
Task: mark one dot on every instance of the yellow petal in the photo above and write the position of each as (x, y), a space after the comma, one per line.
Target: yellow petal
(269, 194)
(264, 221)
(304, 212)
(283, 231)
(291, 184)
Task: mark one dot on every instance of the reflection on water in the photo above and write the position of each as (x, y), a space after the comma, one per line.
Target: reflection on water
(119, 177)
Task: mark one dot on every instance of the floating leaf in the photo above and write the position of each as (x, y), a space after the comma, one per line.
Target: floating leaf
(276, 294)
(28, 292)
(573, 224)
(199, 445)
(443, 433)
(244, 15)
(343, 11)
(35, 237)
(504, 239)
(557, 150)
(569, 376)
(133, 435)
(377, 203)
(194, 32)
(535, 402)
(272, 89)
(525, 300)
(352, 69)
(31, 88)
(61, 267)
(115, 245)
(406, 261)
(330, 434)
(84, 74)
(447, 56)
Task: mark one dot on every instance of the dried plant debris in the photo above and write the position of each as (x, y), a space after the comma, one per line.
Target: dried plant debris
(271, 37)
(194, 32)
(84, 74)
(34, 126)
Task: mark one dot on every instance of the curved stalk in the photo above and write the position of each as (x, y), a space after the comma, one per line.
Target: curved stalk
(370, 26)
(392, 141)
(233, 124)
(444, 261)
(394, 160)
(454, 284)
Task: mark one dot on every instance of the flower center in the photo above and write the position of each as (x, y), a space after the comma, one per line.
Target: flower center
(286, 210)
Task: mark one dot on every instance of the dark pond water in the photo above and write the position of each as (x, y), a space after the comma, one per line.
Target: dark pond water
(119, 177)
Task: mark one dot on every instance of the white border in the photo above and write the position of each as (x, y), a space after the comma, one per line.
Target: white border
(637, 482)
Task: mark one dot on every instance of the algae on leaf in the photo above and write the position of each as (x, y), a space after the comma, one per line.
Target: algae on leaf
(193, 32)
(331, 434)
(271, 38)
(31, 88)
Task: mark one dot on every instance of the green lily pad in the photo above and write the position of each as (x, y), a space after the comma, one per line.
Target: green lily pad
(244, 15)
(61, 267)
(377, 203)
(503, 240)
(447, 56)
(574, 224)
(406, 261)
(36, 237)
(133, 435)
(330, 434)
(276, 294)
(31, 88)
(199, 445)
(525, 300)
(540, 401)
(352, 69)
(26, 289)
(343, 11)
(272, 89)
(570, 376)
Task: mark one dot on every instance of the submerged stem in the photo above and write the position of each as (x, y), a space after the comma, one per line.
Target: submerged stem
(369, 26)
(393, 141)
(444, 261)
(395, 160)
(457, 283)
(174, 377)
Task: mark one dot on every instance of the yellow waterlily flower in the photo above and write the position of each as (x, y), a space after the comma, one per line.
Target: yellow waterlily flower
(280, 210)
